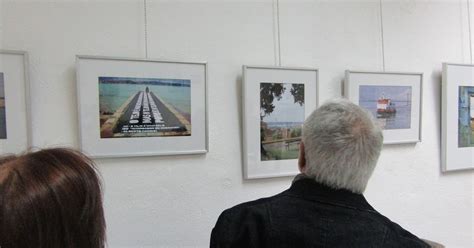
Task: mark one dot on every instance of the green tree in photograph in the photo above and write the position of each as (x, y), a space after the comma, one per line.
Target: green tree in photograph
(297, 91)
(268, 92)
(272, 91)
(296, 132)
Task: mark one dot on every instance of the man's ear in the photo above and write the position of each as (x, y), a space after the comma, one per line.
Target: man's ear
(302, 159)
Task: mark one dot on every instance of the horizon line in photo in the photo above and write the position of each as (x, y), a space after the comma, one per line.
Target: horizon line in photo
(145, 81)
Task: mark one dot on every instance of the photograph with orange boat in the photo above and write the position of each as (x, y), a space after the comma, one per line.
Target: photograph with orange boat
(391, 105)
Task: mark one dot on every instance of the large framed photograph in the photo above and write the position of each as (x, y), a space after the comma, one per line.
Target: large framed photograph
(394, 99)
(14, 108)
(457, 117)
(141, 107)
(276, 101)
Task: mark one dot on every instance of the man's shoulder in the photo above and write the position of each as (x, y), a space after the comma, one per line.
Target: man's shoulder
(244, 225)
(254, 206)
(396, 235)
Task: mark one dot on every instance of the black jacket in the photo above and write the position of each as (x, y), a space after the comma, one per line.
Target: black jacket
(309, 215)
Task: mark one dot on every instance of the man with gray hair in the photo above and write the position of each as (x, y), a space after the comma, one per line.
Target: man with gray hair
(324, 207)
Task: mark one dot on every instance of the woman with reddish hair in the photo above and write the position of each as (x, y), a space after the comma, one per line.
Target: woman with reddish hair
(50, 199)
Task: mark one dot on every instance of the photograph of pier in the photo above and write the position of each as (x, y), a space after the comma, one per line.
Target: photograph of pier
(466, 116)
(391, 105)
(281, 119)
(144, 107)
(3, 117)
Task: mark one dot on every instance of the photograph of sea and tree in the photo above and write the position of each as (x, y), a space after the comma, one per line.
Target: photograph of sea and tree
(144, 107)
(391, 105)
(3, 117)
(282, 113)
(466, 116)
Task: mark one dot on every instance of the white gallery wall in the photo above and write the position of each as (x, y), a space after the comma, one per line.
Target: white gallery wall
(174, 201)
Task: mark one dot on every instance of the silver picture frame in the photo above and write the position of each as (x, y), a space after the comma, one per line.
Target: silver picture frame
(198, 147)
(455, 156)
(18, 139)
(253, 166)
(414, 79)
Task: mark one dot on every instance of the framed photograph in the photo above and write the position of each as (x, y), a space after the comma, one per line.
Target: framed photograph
(14, 108)
(457, 139)
(140, 107)
(276, 101)
(394, 98)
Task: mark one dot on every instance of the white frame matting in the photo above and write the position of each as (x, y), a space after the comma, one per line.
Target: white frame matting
(253, 167)
(90, 68)
(453, 156)
(14, 67)
(353, 81)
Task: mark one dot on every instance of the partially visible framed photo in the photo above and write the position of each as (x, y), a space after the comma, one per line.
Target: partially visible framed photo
(14, 96)
(394, 99)
(276, 101)
(141, 107)
(457, 139)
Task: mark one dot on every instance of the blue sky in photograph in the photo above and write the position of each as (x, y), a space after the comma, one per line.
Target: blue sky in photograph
(2, 85)
(145, 80)
(374, 92)
(286, 110)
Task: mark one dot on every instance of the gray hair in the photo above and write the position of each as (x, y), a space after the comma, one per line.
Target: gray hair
(342, 145)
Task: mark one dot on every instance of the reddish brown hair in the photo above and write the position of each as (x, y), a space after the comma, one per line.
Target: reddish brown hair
(50, 199)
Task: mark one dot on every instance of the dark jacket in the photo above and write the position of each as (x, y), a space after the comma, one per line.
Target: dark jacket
(309, 214)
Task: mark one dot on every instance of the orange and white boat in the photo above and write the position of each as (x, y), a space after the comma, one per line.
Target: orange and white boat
(385, 106)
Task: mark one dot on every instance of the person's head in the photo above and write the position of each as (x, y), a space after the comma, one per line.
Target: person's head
(50, 198)
(341, 144)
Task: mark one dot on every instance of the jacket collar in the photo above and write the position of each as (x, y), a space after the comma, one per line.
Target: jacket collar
(308, 188)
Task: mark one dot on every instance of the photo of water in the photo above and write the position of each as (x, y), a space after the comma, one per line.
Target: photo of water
(3, 118)
(391, 105)
(112, 96)
(144, 107)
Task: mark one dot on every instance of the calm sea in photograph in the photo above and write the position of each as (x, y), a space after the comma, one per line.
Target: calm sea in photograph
(112, 96)
(3, 118)
(400, 97)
